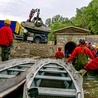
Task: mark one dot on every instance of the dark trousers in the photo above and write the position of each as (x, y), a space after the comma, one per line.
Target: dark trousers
(5, 52)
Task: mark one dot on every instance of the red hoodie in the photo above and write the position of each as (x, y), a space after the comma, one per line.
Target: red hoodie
(78, 50)
(59, 54)
(6, 36)
(92, 65)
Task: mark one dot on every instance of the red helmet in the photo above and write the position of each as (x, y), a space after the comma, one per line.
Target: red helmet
(59, 47)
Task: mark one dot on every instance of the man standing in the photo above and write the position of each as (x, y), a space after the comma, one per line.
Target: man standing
(31, 14)
(6, 39)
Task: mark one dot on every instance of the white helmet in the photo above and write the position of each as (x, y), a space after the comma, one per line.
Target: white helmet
(93, 46)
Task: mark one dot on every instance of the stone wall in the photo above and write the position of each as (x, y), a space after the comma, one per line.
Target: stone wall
(22, 49)
(92, 39)
(63, 39)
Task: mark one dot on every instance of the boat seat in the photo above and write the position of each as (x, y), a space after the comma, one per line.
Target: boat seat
(28, 66)
(19, 70)
(6, 76)
(52, 70)
(53, 78)
(57, 92)
(51, 66)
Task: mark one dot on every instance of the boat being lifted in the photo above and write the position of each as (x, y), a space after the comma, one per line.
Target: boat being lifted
(53, 78)
(36, 24)
(35, 30)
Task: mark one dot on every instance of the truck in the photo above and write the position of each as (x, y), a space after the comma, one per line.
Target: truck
(22, 34)
(16, 28)
(31, 30)
(35, 37)
(35, 28)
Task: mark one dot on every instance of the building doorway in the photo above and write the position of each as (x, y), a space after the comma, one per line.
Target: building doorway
(69, 47)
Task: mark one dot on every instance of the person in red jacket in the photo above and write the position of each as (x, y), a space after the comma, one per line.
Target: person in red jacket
(59, 54)
(92, 65)
(79, 50)
(31, 14)
(93, 50)
(6, 39)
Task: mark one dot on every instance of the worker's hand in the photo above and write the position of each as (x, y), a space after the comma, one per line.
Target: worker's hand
(66, 62)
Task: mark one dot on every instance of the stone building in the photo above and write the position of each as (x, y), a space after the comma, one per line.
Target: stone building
(69, 36)
(92, 39)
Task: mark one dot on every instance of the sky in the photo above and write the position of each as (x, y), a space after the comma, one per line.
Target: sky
(18, 10)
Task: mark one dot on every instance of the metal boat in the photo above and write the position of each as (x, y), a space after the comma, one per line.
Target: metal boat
(13, 74)
(31, 27)
(36, 24)
(50, 78)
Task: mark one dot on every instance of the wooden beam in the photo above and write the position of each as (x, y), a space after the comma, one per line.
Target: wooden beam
(57, 92)
(53, 78)
(19, 70)
(59, 67)
(6, 76)
(28, 66)
(53, 71)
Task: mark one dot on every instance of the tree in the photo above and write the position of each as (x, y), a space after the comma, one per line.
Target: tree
(58, 22)
(48, 22)
(92, 16)
(80, 18)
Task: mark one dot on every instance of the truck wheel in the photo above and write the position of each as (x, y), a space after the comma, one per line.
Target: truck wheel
(37, 40)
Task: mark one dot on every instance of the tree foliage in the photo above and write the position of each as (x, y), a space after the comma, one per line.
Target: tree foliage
(92, 16)
(57, 22)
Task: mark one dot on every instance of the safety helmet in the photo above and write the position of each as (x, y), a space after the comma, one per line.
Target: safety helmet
(7, 21)
(96, 47)
(81, 41)
(59, 47)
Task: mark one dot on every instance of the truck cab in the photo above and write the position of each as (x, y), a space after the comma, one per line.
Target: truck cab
(36, 37)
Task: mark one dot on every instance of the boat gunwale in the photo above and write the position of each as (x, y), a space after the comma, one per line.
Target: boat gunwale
(15, 63)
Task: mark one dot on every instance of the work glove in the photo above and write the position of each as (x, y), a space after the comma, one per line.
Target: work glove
(66, 62)
(82, 72)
